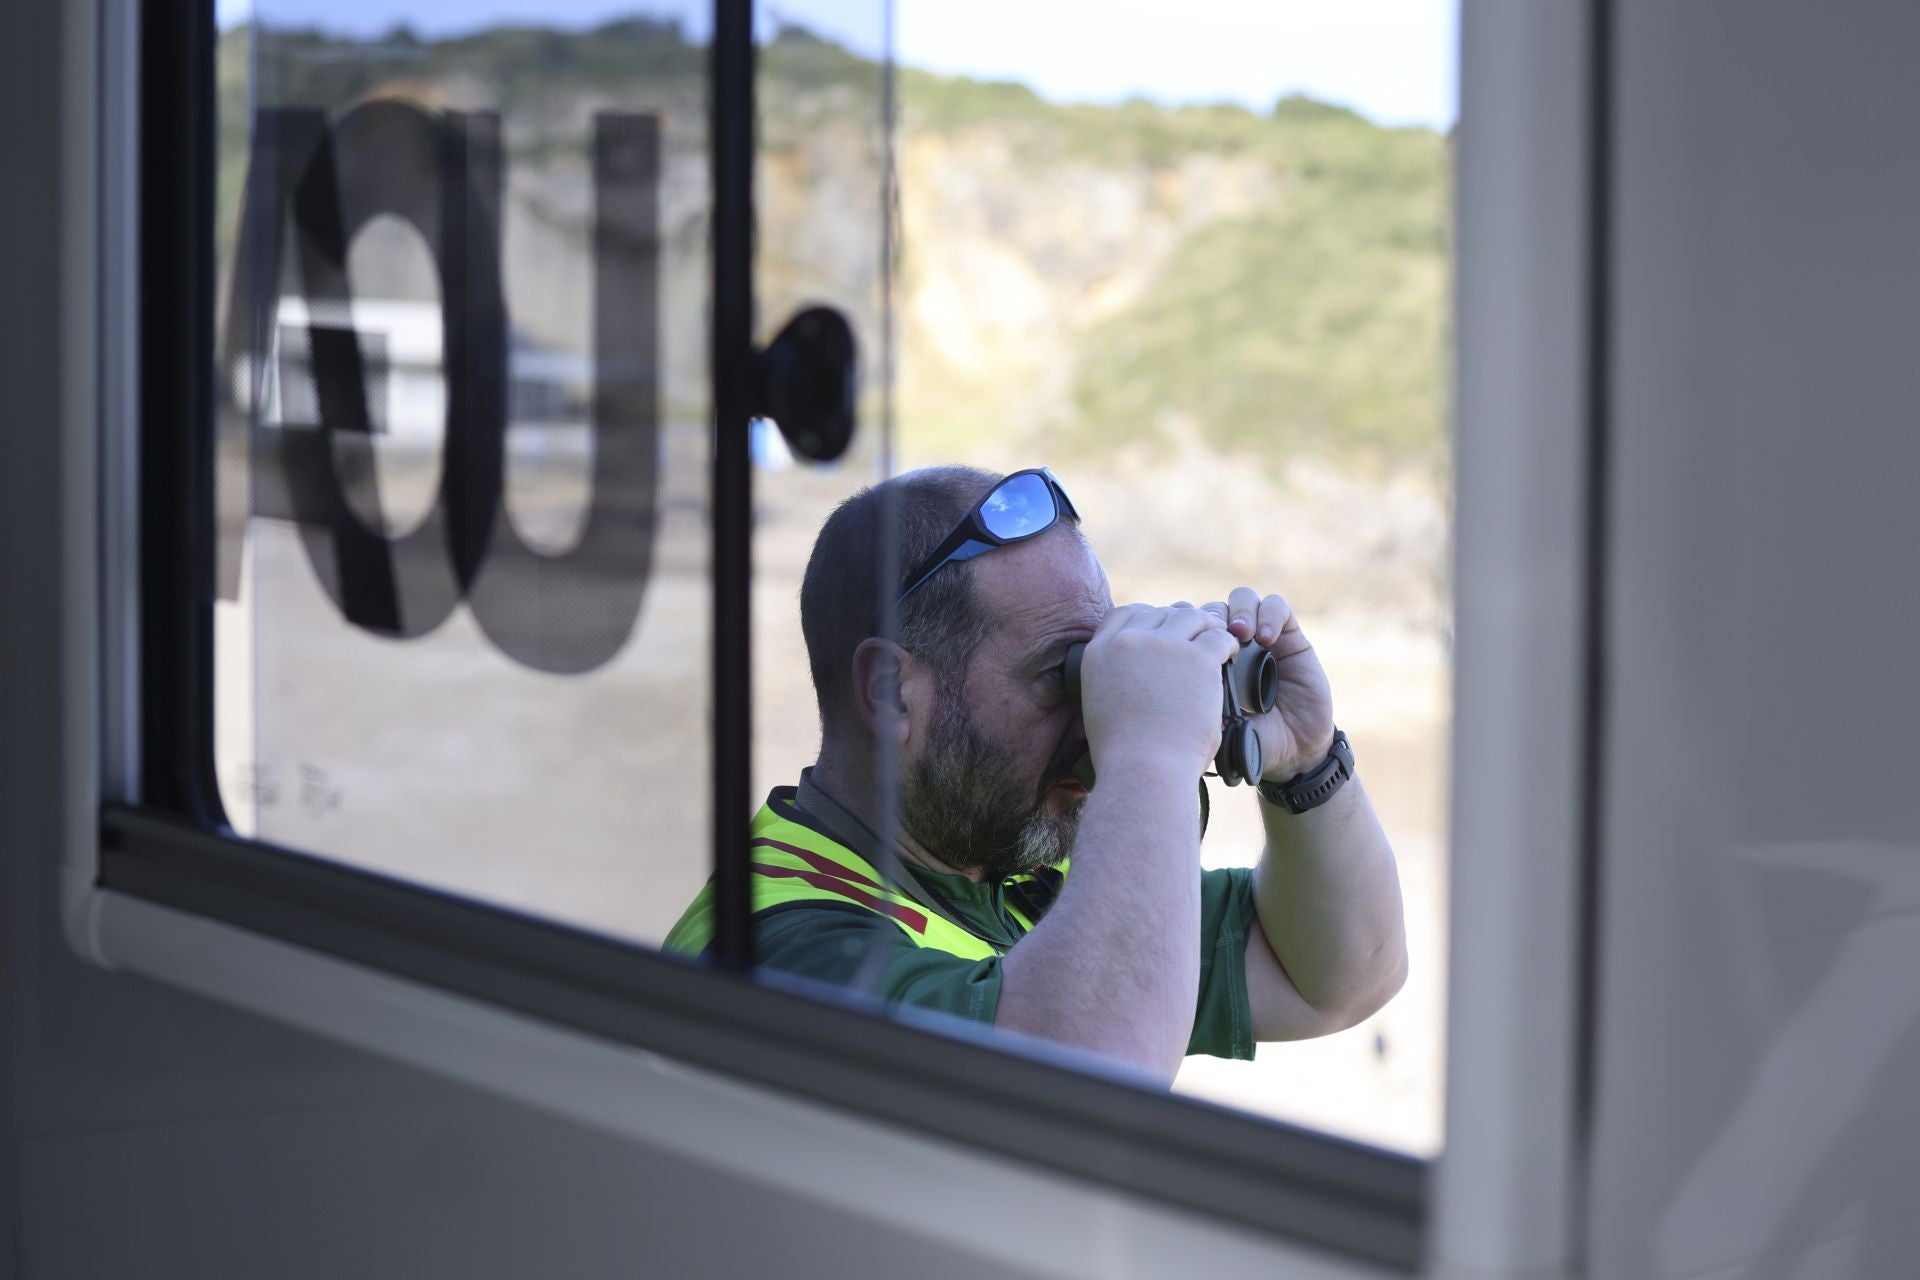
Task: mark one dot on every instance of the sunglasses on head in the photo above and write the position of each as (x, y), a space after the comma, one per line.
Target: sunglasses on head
(1024, 504)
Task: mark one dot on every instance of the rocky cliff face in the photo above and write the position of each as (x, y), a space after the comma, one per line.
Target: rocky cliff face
(1248, 310)
(1225, 330)
(1010, 271)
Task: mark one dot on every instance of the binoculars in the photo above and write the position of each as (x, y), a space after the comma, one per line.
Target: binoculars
(1249, 685)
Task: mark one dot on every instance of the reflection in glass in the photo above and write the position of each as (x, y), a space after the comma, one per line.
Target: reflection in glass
(463, 448)
(1224, 325)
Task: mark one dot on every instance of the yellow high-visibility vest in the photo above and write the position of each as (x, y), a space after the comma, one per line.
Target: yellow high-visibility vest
(792, 863)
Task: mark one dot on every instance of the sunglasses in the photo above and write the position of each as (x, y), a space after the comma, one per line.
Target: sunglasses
(1024, 504)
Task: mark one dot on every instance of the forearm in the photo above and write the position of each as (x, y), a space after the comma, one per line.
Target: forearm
(1328, 897)
(1114, 966)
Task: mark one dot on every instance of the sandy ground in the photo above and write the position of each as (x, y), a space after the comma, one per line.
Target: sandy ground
(584, 798)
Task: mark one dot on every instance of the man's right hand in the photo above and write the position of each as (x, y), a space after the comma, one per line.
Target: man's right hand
(1150, 688)
(1089, 974)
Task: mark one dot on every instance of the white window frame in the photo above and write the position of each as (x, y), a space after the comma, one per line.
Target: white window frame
(1507, 1188)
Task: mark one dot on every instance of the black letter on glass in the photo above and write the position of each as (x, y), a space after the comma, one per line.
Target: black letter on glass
(565, 613)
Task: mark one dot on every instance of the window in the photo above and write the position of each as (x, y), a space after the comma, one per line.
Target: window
(1206, 277)
(474, 658)
(446, 550)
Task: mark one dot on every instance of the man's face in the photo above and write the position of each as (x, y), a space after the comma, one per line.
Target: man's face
(991, 786)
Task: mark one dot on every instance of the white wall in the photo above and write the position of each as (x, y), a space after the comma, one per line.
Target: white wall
(1760, 1000)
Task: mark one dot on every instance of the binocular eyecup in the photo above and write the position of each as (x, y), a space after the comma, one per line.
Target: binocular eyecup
(1249, 683)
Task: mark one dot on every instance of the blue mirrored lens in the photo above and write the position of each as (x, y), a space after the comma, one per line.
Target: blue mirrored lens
(1019, 508)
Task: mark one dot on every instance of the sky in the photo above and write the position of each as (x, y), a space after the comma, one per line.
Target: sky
(1394, 61)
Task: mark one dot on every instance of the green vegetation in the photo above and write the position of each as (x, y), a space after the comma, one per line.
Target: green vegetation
(1311, 318)
(1315, 325)
(1133, 133)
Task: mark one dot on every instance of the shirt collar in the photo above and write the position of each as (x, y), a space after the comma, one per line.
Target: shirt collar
(840, 824)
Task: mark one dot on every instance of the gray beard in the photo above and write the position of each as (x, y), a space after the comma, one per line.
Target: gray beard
(962, 803)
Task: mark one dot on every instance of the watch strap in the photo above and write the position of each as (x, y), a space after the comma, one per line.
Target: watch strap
(1310, 790)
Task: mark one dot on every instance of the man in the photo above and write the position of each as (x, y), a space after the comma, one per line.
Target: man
(941, 852)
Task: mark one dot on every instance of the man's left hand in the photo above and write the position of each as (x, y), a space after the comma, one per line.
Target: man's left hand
(1296, 735)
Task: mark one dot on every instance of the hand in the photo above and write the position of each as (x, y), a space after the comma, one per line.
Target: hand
(1150, 685)
(1296, 735)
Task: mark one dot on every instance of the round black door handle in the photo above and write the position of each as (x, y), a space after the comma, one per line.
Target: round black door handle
(808, 381)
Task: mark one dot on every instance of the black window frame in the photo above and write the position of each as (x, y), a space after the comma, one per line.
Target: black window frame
(171, 844)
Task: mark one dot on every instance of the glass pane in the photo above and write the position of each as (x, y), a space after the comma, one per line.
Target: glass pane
(1200, 268)
(464, 442)
(821, 206)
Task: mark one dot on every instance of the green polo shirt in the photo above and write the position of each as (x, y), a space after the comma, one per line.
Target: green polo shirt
(833, 944)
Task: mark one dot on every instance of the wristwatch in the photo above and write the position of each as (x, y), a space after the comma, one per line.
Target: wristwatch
(1310, 790)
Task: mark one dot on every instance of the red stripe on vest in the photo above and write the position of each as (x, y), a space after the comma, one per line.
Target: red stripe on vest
(832, 884)
(824, 865)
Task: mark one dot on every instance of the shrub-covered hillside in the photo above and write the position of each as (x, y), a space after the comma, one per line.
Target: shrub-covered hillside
(1094, 278)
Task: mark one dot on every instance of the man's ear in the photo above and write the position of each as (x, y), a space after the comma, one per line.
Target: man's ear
(891, 689)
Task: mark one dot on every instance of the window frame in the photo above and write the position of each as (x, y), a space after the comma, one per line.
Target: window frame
(164, 839)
